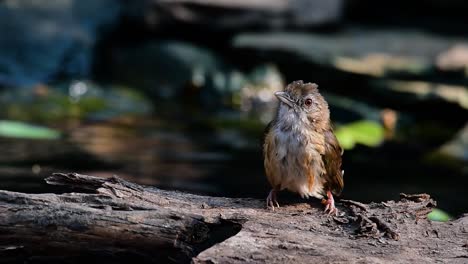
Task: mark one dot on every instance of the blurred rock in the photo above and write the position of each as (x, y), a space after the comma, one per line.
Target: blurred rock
(167, 68)
(347, 109)
(426, 91)
(41, 39)
(70, 101)
(257, 97)
(457, 147)
(170, 69)
(361, 51)
(454, 59)
(242, 14)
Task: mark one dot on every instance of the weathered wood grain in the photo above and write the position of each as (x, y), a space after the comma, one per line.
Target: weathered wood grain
(112, 220)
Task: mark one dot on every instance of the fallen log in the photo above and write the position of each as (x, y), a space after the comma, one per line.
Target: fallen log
(112, 220)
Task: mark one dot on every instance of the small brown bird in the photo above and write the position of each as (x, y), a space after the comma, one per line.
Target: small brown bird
(301, 153)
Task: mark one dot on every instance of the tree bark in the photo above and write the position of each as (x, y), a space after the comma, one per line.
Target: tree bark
(112, 220)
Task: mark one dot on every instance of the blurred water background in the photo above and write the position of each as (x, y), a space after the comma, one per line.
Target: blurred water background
(177, 93)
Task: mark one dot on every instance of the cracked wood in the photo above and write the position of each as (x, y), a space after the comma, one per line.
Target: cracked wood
(120, 221)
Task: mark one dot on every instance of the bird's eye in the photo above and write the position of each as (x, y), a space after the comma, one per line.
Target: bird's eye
(308, 102)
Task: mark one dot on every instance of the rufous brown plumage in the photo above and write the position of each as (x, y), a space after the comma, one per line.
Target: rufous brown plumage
(301, 152)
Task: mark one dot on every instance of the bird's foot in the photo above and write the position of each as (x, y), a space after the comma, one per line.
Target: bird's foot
(271, 200)
(330, 204)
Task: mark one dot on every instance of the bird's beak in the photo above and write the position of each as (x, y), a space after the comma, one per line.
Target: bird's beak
(284, 97)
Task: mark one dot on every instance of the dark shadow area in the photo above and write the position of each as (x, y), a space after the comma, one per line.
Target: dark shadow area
(217, 234)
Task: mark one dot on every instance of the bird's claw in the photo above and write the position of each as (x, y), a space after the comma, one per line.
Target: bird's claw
(272, 204)
(331, 209)
(330, 205)
(271, 201)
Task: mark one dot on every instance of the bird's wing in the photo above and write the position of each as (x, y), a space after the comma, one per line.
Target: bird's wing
(269, 161)
(265, 134)
(332, 161)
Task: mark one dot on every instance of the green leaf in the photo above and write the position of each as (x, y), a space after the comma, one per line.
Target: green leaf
(368, 133)
(345, 138)
(438, 215)
(15, 129)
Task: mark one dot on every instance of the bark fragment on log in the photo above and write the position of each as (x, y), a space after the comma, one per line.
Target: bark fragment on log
(121, 221)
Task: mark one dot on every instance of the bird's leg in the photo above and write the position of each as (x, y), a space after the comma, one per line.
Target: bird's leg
(271, 200)
(330, 204)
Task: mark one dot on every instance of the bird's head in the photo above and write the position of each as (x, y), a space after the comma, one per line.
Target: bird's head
(303, 102)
